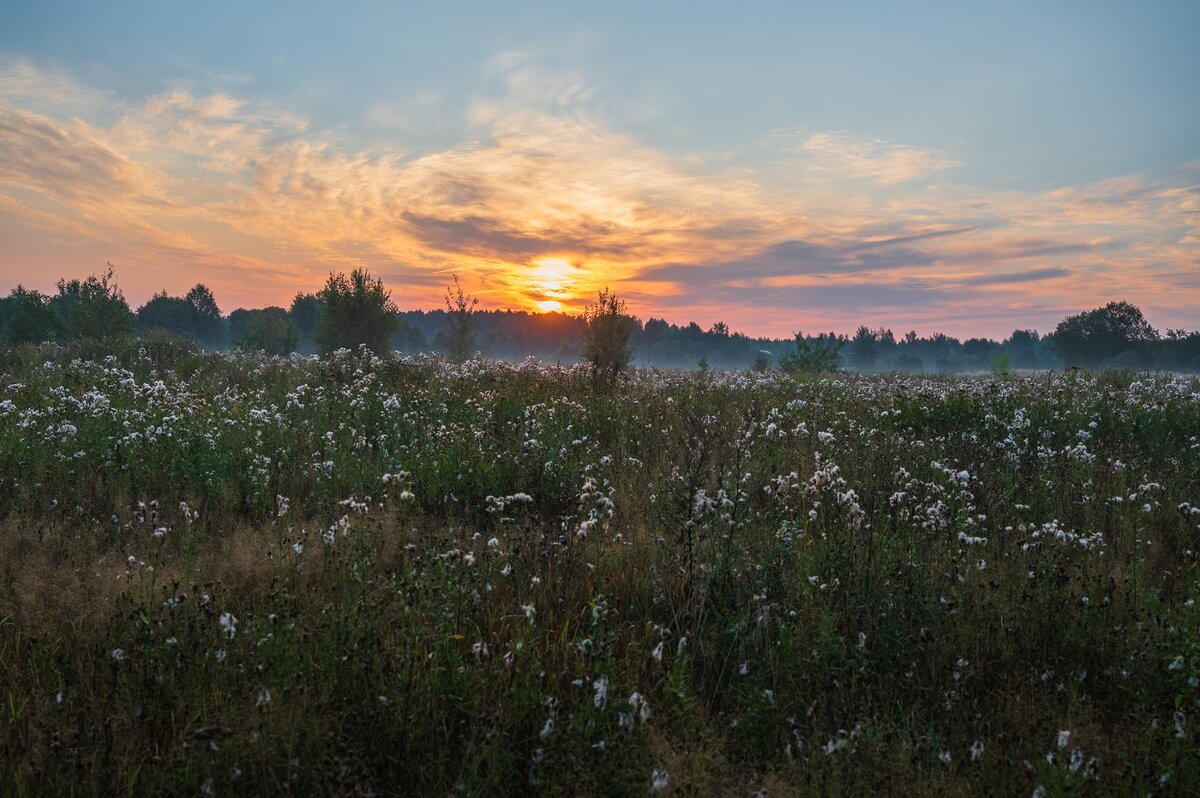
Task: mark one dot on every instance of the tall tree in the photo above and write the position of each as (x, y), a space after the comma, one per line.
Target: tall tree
(356, 310)
(606, 337)
(1096, 336)
(28, 317)
(459, 334)
(93, 308)
(210, 326)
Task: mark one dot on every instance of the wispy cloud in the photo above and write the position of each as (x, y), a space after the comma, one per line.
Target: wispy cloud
(829, 230)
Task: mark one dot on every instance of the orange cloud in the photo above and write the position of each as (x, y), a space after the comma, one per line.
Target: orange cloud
(545, 203)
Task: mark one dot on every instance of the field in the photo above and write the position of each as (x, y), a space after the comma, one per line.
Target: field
(234, 574)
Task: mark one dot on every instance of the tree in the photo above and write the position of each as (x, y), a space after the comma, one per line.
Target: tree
(28, 317)
(815, 356)
(305, 311)
(93, 308)
(459, 334)
(864, 348)
(1095, 336)
(267, 330)
(356, 310)
(209, 323)
(171, 313)
(719, 328)
(606, 336)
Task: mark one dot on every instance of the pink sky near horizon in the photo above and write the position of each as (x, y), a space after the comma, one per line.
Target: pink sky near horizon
(548, 201)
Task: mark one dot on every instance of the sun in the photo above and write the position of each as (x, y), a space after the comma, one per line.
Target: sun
(550, 280)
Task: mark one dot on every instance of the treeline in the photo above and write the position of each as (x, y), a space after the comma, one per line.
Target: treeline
(356, 308)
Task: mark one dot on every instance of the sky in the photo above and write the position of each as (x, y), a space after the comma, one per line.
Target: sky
(964, 167)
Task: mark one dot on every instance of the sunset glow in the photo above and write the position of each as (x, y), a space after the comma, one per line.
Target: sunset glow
(528, 160)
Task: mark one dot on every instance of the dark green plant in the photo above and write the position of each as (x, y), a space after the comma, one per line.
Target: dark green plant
(459, 334)
(606, 337)
(356, 310)
(813, 355)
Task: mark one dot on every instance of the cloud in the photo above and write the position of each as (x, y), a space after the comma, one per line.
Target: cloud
(828, 230)
(835, 156)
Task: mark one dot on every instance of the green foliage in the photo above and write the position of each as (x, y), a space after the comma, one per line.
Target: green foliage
(1096, 336)
(813, 355)
(606, 338)
(355, 311)
(305, 311)
(804, 586)
(28, 317)
(195, 315)
(1000, 364)
(209, 323)
(268, 330)
(93, 308)
(459, 334)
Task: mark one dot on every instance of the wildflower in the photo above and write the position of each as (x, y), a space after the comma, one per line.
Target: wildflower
(976, 750)
(601, 688)
(298, 548)
(1064, 737)
(658, 780)
(657, 653)
(118, 654)
(944, 756)
(228, 624)
(547, 729)
(160, 533)
(264, 698)
(529, 611)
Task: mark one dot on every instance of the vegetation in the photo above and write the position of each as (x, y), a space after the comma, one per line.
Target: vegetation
(1115, 336)
(606, 335)
(459, 334)
(355, 311)
(246, 574)
(813, 356)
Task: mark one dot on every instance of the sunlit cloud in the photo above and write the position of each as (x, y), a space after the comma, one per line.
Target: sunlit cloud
(545, 201)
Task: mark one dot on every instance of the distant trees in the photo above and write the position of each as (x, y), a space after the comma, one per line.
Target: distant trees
(606, 336)
(195, 315)
(28, 317)
(813, 355)
(93, 308)
(208, 321)
(1095, 336)
(355, 310)
(459, 334)
(304, 312)
(267, 330)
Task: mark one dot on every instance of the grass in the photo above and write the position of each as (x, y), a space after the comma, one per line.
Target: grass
(394, 576)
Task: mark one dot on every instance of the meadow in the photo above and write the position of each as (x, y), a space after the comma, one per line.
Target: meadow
(241, 574)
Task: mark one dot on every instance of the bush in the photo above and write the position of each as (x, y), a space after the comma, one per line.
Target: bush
(356, 311)
(606, 337)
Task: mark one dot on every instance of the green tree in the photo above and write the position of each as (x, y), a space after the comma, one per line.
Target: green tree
(171, 313)
(305, 311)
(607, 334)
(93, 308)
(28, 317)
(459, 335)
(210, 326)
(864, 348)
(267, 330)
(356, 310)
(813, 356)
(1096, 336)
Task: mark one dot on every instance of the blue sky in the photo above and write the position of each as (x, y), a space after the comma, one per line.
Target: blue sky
(829, 125)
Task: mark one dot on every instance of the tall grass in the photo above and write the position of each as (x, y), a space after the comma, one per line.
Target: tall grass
(396, 576)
